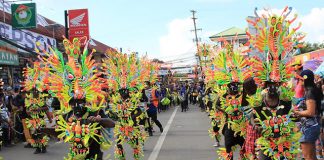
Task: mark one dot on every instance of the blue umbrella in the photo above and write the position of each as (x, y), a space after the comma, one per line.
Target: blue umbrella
(320, 70)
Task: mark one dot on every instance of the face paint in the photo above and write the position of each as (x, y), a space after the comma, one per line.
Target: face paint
(233, 88)
(273, 90)
(78, 107)
(124, 93)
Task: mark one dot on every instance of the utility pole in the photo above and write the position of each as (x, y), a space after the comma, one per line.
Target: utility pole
(196, 37)
(195, 29)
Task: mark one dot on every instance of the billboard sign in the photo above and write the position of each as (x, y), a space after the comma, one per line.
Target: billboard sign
(26, 38)
(78, 23)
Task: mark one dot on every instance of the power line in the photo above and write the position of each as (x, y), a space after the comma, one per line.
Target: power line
(182, 59)
(176, 55)
(179, 59)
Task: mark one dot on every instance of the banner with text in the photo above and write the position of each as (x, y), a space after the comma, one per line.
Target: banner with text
(188, 70)
(27, 38)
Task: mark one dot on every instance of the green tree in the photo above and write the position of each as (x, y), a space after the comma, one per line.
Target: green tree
(309, 47)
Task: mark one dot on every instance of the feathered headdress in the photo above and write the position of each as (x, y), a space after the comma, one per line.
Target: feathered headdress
(150, 69)
(276, 41)
(122, 70)
(227, 66)
(128, 71)
(76, 78)
(36, 77)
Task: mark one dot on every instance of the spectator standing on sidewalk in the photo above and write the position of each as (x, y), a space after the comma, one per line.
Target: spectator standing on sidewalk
(17, 104)
(5, 123)
(8, 98)
(309, 115)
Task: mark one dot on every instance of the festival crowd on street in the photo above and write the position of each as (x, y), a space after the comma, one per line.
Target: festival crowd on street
(265, 106)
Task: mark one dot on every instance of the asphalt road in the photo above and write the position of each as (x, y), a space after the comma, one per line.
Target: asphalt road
(185, 136)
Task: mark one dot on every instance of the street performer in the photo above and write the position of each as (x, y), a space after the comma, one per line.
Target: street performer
(76, 83)
(229, 72)
(271, 105)
(126, 76)
(35, 84)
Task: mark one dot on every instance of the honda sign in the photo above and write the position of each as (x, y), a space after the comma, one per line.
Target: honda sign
(78, 23)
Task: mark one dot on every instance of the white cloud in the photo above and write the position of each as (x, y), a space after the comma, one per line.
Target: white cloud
(313, 25)
(178, 40)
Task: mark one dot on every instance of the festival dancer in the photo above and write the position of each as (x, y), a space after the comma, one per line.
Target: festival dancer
(271, 105)
(228, 72)
(215, 115)
(36, 83)
(126, 75)
(78, 86)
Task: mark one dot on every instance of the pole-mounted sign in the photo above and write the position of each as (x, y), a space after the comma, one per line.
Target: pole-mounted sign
(78, 23)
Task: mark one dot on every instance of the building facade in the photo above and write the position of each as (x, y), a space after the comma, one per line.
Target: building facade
(20, 44)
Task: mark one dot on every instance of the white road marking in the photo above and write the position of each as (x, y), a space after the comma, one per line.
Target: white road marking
(157, 148)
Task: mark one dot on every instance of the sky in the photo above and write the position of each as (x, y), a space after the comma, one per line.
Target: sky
(162, 29)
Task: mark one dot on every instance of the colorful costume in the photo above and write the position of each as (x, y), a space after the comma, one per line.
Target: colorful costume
(77, 84)
(228, 70)
(126, 75)
(276, 41)
(36, 84)
(215, 115)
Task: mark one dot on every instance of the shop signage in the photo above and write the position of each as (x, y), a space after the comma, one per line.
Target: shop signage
(78, 23)
(23, 15)
(6, 6)
(8, 54)
(26, 38)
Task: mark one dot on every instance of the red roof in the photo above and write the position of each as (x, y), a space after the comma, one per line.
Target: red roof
(59, 33)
